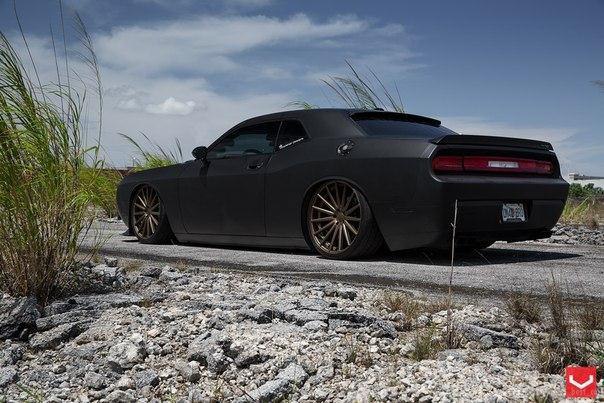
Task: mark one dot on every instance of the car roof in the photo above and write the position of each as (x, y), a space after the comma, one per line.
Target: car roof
(303, 114)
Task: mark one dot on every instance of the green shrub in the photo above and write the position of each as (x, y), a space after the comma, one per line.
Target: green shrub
(578, 191)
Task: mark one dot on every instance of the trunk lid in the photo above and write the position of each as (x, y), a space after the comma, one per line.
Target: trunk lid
(472, 140)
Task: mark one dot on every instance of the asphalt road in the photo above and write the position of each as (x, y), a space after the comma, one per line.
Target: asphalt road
(495, 272)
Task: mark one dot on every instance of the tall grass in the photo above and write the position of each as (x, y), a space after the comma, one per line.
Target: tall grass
(154, 155)
(588, 211)
(45, 190)
(103, 189)
(359, 91)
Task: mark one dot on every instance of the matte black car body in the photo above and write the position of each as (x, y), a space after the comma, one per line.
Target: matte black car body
(222, 201)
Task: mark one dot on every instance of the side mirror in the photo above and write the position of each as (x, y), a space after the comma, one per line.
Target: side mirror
(200, 153)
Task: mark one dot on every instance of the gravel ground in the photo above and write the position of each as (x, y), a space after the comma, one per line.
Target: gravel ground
(576, 235)
(193, 335)
(491, 273)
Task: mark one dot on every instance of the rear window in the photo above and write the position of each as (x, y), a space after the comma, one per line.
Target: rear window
(401, 129)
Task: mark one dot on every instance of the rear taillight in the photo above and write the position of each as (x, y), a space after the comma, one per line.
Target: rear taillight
(445, 163)
(448, 163)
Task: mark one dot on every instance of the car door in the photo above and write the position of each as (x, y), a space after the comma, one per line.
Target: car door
(224, 194)
(287, 178)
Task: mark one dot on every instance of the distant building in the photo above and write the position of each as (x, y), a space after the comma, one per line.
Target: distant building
(598, 181)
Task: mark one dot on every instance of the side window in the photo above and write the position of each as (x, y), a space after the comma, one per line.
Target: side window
(291, 133)
(249, 140)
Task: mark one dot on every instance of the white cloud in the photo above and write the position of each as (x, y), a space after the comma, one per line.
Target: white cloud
(171, 107)
(130, 104)
(208, 43)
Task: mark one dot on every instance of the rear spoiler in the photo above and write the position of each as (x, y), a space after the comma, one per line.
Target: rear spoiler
(463, 139)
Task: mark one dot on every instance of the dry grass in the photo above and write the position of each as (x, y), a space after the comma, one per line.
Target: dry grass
(590, 316)
(573, 337)
(522, 307)
(588, 211)
(426, 344)
(399, 302)
(357, 353)
(132, 265)
(394, 301)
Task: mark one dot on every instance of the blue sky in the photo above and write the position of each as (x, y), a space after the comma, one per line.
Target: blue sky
(191, 69)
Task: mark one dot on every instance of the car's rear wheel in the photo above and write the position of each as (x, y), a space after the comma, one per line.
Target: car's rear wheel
(340, 223)
(148, 217)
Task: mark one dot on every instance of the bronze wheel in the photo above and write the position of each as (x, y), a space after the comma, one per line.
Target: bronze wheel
(334, 217)
(146, 213)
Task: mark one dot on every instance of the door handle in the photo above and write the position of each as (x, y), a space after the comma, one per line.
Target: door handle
(255, 165)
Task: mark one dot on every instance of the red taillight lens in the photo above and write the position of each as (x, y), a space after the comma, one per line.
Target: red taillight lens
(491, 164)
(445, 163)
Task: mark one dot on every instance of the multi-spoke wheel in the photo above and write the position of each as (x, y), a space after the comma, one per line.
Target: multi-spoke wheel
(340, 223)
(148, 218)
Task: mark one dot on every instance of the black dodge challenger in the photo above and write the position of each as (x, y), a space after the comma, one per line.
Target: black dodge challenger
(345, 182)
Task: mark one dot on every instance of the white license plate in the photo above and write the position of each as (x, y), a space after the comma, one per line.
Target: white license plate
(513, 212)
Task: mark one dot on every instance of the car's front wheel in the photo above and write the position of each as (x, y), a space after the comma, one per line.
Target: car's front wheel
(340, 223)
(148, 218)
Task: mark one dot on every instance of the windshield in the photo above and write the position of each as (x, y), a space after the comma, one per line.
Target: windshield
(401, 129)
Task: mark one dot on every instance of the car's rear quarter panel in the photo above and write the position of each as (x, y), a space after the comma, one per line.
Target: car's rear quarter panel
(384, 171)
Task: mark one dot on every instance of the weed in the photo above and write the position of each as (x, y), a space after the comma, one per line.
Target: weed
(438, 306)
(146, 302)
(400, 302)
(572, 339)
(586, 211)
(425, 344)
(522, 307)
(33, 395)
(132, 265)
(590, 317)
(217, 393)
(453, 338)
(181, 265)
(543, 398)
(357, 353)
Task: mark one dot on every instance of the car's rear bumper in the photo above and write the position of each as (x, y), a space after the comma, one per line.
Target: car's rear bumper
(427, 219)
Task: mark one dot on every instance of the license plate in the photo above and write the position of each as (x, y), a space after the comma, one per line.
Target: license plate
(513, 212)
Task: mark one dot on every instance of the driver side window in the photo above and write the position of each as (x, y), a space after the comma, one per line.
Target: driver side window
(249, 140)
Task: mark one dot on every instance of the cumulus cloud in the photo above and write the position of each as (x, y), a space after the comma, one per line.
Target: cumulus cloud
(171, 107)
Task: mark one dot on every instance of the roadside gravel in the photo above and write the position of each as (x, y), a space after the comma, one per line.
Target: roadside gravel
(164, 334)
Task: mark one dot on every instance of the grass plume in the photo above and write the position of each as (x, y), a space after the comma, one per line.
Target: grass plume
(44, 193)
(154, 156)
(358, 91)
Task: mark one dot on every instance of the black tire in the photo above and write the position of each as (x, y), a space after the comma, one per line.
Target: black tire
(147, 202)
(365, 243)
